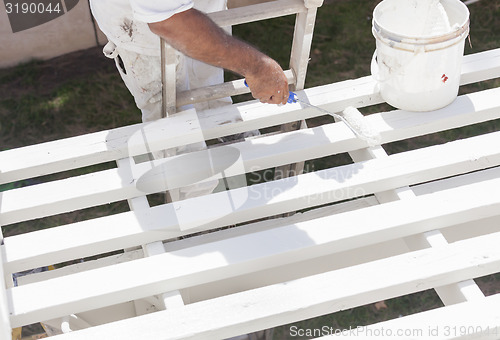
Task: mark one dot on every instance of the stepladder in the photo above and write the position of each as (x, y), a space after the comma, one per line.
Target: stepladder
(240, 12)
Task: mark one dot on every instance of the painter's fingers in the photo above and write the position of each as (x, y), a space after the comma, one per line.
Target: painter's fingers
(280, 97)
(269, 83)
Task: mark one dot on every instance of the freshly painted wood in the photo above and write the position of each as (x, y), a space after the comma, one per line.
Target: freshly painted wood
(257, 251)
(267, 152)
(299, 59)
(313, 296)
(450, 294)
(242, 204)
(212, 237)
(301, 46)
(165, 300)
(99, 147)
(480, 66)
(168, 71)
(5, 327)
(430, 190)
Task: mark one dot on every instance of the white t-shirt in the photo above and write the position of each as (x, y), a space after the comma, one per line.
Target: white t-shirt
(124, 22)
(158, 10)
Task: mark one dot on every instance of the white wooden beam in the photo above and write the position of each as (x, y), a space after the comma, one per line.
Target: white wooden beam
(90, 190)
(99, 147)
(209, 237)
(165, 300)
(313, 296)
(454, 293)
(301, 47)
(480, 66)
(5, 327)
(168, 71)
(166, 221)
(242, 3)
(82, 266)
(257, 251)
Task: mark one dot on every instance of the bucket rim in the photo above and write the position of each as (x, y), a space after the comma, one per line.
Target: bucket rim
(462, 31)
(425, 39)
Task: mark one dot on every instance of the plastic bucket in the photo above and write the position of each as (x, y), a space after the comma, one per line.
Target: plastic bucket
(417, 73)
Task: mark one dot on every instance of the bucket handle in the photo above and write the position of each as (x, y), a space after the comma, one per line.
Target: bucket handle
(374, 67)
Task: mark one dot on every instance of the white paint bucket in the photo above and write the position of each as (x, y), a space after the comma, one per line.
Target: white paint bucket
(418, 69)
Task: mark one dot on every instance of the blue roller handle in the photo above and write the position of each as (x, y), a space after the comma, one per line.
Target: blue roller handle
(292, 97)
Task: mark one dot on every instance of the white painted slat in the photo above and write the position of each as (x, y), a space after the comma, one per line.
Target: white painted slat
(462, 291)
(335, 97)
(82, 266)
(168, 57)
(99, 147)
(450, 294)
(114, 185)
(166, 300)
(114, 144)
(212, 237)
(251, 155)
(472, 320)
(64, 196)
(253, 252)
(465, 110)
(242, 204)
(312, 296)
(447, 183)
(5, 332)
(480, 66)
(301, 47)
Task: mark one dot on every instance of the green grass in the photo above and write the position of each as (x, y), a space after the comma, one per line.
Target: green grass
(354, 318)
(82, 93)
(37, 105)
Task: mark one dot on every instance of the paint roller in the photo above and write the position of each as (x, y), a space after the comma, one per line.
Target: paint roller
(351, 117)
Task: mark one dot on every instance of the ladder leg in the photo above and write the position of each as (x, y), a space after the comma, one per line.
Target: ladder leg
(301, 47)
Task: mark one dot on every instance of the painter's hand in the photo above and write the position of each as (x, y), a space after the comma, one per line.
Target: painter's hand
(268, 83)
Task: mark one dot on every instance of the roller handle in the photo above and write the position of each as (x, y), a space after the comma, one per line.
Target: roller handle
(292, 97)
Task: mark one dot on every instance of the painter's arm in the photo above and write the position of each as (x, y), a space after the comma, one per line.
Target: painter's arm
(195, 35)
